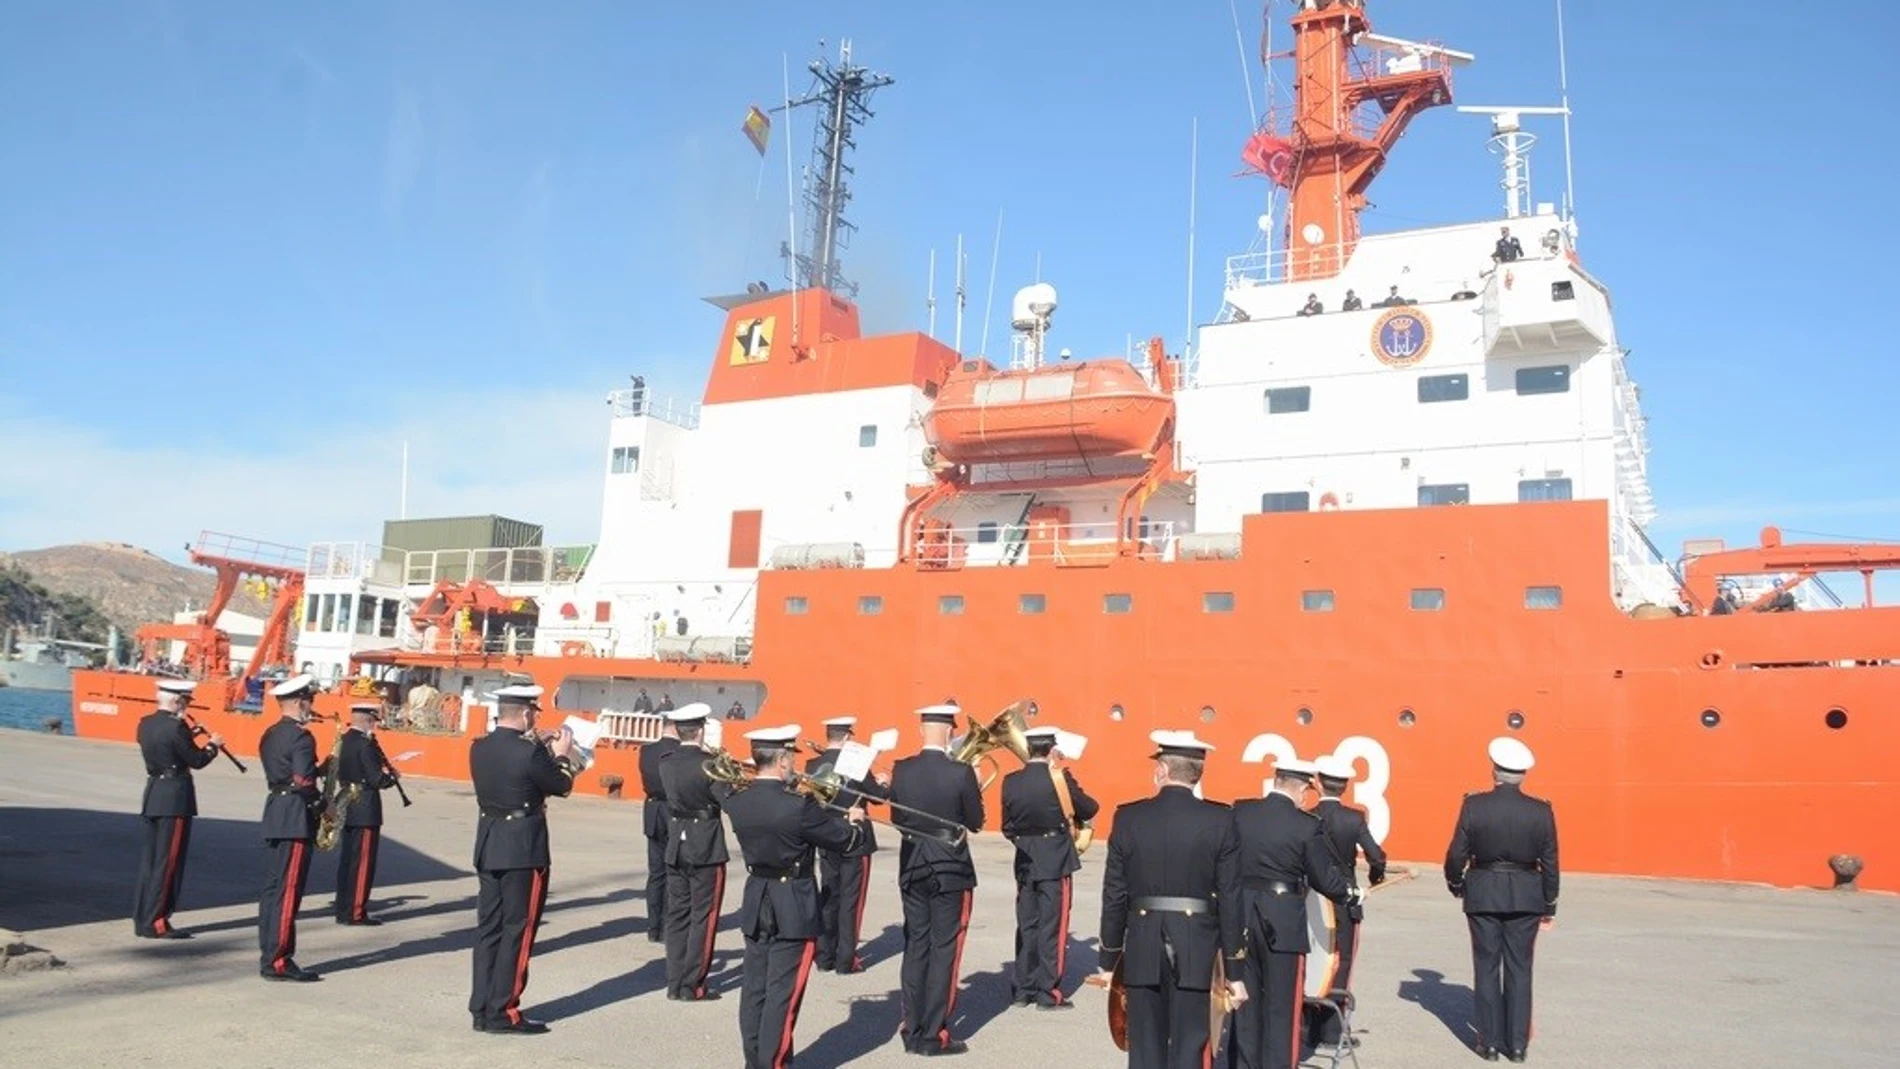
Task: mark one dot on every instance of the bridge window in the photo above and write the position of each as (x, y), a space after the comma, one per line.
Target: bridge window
(950, 605)
(1117, 604)
(1289, 399)
(1031, 604)
(1217, 601)
(1563, 291)
(742, 545)
(1316, 601)
(796, 606)
(1443, 388)
(386, 622)
(310, 613)
(867, 436)
(1543, 490)
(366, 616)
(1445, 494)
(1543, 597)
(1428, 599)
(870, 605)
(1552, 379)
(626, 459)
(1288, 501)
(986, 531)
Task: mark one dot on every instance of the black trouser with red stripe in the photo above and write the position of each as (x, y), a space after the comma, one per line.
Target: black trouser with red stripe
(161, 872)
(286, 871)
(1267, 1025)
(845, 883)
(694, 895)
(1167, 1023)
(776, 971)
(1042, 939)
(934, 927)
(356, 872)
(507, 911)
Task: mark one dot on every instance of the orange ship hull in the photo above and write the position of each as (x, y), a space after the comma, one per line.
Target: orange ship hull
(1749, 747)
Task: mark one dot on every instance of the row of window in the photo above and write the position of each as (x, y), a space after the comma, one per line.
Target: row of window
(1423, 599)
(1554, 378)
(345, 614)
(1429, 494)
(626, 458)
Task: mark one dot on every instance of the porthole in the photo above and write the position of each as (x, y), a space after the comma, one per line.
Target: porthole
(1304, 715)
(1116, 712)
(1407, 718)
(1207, 714)
(1837, 718)
(1710, 718)
(1514, 720)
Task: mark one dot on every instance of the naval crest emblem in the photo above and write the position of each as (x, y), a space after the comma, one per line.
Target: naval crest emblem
(1401, 337)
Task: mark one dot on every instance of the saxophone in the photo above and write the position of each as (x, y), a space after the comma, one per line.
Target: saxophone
(335, 804)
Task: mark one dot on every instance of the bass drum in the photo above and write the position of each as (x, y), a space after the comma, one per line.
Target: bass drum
(1322, 961)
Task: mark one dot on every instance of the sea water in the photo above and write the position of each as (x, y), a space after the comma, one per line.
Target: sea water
(29, 710)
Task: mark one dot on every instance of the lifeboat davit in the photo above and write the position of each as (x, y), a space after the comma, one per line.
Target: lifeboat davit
(1093, 409)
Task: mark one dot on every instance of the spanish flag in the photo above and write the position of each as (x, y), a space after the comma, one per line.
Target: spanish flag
(758, 128)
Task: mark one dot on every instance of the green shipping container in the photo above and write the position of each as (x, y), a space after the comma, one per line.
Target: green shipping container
(460, 532)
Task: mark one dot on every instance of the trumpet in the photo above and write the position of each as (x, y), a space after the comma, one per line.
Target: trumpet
(1004, 732)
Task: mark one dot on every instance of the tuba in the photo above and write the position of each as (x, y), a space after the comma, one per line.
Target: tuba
(336, 803)
(1005, 732)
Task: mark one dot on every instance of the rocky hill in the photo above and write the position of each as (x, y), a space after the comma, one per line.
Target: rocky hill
(130, 585)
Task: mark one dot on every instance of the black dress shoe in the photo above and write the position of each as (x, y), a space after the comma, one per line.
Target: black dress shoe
(1055, 1005)
(169, 933)
(523, 1027)
(292, 972)
(1515, 1055)
(366, 922)
(1487, 1053)
(936, 1050)
(709, 996)
(478, 1023)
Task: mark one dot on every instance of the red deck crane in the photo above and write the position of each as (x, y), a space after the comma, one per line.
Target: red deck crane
(207, 646)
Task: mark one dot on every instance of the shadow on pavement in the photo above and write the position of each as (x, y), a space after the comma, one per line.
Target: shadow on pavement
(1452, 1004)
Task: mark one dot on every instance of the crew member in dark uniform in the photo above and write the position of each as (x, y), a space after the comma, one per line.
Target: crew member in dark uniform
(778, 829)
(1503, 863)
(1508, 248)
(288, 755)
(653, 822)
(1282, 853)
(1043, 806)
(696, 859)
(1345, 829)
(514, 773)
(362, 774)
(936, 879)
(844, 877)
(1170, 897)
(171, 800)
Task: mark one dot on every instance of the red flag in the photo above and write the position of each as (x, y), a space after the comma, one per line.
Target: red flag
(1270, 156)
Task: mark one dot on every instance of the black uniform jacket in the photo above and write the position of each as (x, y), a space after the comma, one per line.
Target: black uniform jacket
(514, 774)
(859, 792)
(695, 835)
(932, 782)
(170, 755)
(1509, 840)
(1032, 819)
(653, 810)
(1282, 843)
(1345, 828)
(1179, 846)
(288, 753)
(778, 829)
(360, 762)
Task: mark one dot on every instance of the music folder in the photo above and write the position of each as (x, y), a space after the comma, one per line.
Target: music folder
(586, 733)
(854, 761)
(884, 741)
(1070, 745)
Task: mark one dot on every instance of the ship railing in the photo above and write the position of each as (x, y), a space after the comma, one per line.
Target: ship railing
(1273, 267)
(354, 560)
(577, 640)
(508, 643)
(627, 728)
(500, 566)
(642, 401)
(241, 550)
(1015, 544)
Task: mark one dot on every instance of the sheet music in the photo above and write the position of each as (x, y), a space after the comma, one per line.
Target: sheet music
(715, 734)
(585, 732)
(854, 761)
(1070, 745)
(884, 741)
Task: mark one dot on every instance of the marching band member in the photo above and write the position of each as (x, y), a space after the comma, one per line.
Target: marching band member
(514, 774)
(844, 878)
(1503, 863)
(1282, 853)
(936, 878)
(170, 803)
(363, 771)
(1170, 890)
(653, 824)
(288, 753)
(778, 829)
(1345, 828)
(696, 859)
(1042, 806)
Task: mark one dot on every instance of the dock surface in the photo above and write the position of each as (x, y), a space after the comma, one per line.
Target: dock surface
(1635, 973)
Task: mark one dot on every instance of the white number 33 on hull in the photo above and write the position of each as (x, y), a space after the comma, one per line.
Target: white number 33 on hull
(1367, 791)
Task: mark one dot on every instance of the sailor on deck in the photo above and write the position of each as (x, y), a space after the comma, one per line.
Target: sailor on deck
(1042, 807)
(653, 818)
(288, 754)
(1503, 863)
(696, 858)
(844, 877)
(365, 773)
(170, 803)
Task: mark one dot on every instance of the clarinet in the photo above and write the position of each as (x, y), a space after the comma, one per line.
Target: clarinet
(197, 729)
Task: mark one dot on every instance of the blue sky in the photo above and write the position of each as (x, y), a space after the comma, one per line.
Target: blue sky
(247, 250)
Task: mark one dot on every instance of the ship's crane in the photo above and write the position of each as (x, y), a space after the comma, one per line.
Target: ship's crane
(1702, 573)
(207, 646)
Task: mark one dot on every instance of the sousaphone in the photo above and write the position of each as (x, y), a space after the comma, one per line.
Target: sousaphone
(1004, 732)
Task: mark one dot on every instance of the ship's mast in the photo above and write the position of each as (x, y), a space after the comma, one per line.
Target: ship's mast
(843, 90)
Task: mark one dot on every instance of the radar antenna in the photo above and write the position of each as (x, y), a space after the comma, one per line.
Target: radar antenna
(844, 90)
(1510, 140)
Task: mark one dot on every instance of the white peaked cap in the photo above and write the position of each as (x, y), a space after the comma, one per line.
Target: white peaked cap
(939, 712)
(1334, 767)
(773, 736)
(1042, 733)
(1511, 755)
(1179, 744)
(1294, 767)
(841, 722)
(177, 686)
(689, 711)
(293, 686)
(518, 692)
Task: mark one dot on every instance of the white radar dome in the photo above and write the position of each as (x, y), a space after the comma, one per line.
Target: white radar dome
(1032, 305)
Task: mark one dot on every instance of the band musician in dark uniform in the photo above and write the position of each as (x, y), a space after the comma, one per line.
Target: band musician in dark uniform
(778, 830)
(844, 877)
(1503, 863)
(515, 772)
(288, 755)
(363, 773)
(696, 859)
(1345, 829)
(171, 801)
(653, 821)
(1282, 854)
(936, 880)
(1170, 892)
(1042, 807)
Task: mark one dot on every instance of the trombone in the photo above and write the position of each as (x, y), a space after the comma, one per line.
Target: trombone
(823, 787)
(1004, 732)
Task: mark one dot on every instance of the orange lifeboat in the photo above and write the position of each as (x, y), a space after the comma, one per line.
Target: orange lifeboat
(1101, 408)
